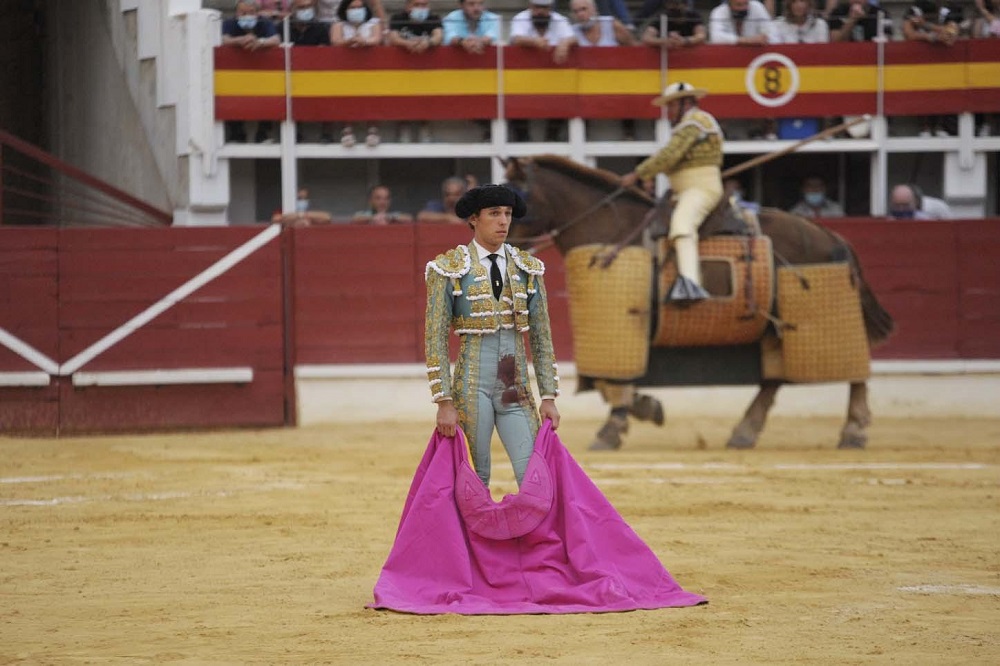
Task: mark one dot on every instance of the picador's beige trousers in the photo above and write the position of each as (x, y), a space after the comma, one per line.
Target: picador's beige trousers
(699, 190)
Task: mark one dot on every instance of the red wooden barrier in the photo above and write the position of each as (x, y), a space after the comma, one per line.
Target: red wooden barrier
(356, 296)
(232, 326)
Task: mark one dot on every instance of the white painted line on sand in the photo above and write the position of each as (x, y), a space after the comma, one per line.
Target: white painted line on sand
(793, 466)
(951, 589)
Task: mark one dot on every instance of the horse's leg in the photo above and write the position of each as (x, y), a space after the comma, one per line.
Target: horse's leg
(647, 408)
(620, 398)
(855, 432)
(746, 432)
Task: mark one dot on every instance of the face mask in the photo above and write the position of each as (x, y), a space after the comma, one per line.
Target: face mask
(247, 22)
(737, 196)
(903, 214)
(586, 25)
(739, 15)
(307, 14)
(301, 205)
(541, 23)
(356, 15)
(815, 199)
(420, 13)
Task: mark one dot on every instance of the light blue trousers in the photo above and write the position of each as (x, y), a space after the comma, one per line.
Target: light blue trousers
(500, 398)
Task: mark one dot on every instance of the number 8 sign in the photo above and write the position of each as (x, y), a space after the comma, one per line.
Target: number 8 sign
(780, 79)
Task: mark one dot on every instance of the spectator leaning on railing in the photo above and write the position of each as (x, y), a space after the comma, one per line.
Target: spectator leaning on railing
(927, 21)
(684, 26)
(592, 29)
(742, 22)
(857, 21)
(800, 25)
(250, 31)
(472, 27)
(538, 27)
(987, 21)
(417, 30)
(358, 27)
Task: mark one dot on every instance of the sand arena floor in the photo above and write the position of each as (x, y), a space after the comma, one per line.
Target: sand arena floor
(263, 547)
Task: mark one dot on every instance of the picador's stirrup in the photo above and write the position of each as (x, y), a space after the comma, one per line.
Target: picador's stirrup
(647, 408)
(609, 437)
(684, 290)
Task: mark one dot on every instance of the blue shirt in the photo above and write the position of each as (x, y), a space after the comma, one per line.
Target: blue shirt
(455, 25)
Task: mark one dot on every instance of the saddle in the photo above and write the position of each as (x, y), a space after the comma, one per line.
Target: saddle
(737, 268)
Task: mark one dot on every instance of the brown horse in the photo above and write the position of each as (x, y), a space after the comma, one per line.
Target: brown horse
(575, 205)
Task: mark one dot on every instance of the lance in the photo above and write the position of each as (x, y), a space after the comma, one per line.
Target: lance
(767, 157)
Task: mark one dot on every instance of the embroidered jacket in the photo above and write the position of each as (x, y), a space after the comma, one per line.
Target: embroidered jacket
(696, 141)
(460, 298)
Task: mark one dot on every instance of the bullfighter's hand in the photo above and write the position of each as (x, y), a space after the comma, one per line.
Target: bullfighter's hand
(630, 179)
(548, 410)
(447, 418)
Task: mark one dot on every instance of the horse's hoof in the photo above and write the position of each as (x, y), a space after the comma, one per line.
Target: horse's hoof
(609, 437)
(741, 443)
(852, 441)
(647, 408)
(742, 439)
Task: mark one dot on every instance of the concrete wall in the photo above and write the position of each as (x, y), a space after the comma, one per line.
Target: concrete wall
(96, 89)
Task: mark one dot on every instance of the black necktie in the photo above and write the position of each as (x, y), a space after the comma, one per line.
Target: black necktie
(495, 277)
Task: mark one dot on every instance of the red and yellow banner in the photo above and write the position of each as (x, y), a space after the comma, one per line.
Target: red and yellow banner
(385, 83)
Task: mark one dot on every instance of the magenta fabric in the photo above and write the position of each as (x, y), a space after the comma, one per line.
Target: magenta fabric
(580, 557)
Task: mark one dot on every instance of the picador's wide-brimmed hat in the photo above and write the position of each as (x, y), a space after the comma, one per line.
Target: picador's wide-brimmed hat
(489, 196)
(677, 91)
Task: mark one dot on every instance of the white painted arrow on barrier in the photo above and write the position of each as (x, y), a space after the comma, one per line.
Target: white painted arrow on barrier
(43, 362)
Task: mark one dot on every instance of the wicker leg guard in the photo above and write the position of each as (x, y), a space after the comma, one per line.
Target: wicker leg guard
(609, 437)
(647, 408)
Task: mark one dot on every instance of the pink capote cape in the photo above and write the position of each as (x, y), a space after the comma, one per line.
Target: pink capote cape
(570, 553)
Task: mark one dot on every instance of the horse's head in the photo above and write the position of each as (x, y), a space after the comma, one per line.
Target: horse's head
(572, 203)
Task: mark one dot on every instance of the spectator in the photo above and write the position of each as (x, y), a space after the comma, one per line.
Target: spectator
(326, 10)
(306, 30)
(538, 27)
(857, 21)
(417, 30)
(928, 21)
(741, 22)
(250, 31)
(275, 10)
(684, 26)
(302, 217)
(442, 211)
(745, 23)
(903, 204)
(732, 189)
(987, 21)
(592, 29)
(814, 202)
(616, 9)
(800, 25)
(934, 208)
(358, 27)
(472, 27)
(986, 25)
(379, 210)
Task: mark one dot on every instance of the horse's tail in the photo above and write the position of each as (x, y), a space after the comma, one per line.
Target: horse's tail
(878, 322)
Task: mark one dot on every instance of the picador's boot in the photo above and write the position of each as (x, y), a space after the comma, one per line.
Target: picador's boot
(687, 288)
(609, 437)
(647, 408)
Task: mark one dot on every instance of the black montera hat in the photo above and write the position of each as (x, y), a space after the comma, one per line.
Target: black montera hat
(488, 196)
